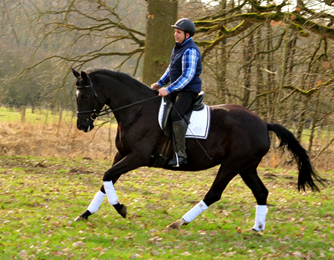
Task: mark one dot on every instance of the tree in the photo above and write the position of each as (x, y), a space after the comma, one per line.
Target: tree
(108, 33)
(159, 38)
(278, 59)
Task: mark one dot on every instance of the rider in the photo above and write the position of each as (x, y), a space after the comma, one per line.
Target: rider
(183, 73)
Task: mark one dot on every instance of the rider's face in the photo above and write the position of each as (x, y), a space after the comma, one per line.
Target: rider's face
(180, 36)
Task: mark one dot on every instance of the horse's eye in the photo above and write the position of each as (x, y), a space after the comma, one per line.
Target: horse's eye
(83, 96)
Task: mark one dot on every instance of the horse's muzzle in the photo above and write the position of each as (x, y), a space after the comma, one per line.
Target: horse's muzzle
(85, 126)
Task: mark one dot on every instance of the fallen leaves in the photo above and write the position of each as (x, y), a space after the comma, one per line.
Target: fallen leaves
(40, 225)
(79, 244)
(154, 240)
(23, 254)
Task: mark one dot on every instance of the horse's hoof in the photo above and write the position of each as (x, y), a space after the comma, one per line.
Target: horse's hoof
(83, 216)
(252, 231)
(176, 225)
(80, 218)
(122, 211)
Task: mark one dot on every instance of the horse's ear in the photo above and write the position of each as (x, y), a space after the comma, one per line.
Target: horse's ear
(84, 77)
(75, 73)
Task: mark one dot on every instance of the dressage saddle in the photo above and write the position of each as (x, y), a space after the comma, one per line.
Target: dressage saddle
(167, 107)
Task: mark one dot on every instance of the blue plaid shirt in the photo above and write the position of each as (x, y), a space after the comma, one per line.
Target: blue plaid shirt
(189, 63)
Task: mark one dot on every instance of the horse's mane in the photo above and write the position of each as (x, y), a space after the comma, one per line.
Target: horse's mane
(124, 77)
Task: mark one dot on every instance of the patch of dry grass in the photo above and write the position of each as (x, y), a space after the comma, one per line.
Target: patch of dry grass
(65, 140)
(56, 140)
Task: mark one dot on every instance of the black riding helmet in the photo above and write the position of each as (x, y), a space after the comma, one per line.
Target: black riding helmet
(185, 25)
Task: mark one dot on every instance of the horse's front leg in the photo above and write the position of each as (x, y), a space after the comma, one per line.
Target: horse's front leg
(93, 206)
(99, 196)
(112, 196)
(128, 163)
(96, 203)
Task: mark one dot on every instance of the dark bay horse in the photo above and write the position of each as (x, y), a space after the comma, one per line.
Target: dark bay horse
(237, 141)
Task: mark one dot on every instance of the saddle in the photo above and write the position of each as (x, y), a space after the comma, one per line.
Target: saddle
(167, 107)
(166, 152)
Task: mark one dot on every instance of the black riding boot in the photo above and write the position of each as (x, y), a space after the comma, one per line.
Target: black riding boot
(179, 130)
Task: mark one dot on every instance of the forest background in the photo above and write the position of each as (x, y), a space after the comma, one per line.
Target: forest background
(275, 58)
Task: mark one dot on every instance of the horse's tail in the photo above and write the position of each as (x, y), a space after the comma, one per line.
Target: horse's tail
(306, 172)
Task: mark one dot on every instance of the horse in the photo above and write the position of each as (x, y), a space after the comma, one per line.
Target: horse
(237, 141)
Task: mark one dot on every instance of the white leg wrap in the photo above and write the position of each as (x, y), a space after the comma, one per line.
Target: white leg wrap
(195, 212)
(96, 202)
(111, 193)
(260, 217)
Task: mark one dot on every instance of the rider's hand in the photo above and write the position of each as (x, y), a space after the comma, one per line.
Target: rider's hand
(163, 92)
(155, 85)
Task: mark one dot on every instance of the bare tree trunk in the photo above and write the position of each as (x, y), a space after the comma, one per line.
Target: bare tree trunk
(248, 54)
(314, 122)
(270, 76)
(302, 117)
(222, 91)
(288, 113)
(60, 116)
(291, 55)
(285, 59)
(260, 103)
(23, 114)
(159, 38)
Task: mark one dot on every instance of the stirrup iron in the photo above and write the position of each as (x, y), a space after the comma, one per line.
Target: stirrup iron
(177, 160)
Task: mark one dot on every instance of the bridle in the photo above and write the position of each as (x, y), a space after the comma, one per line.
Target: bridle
(93, 111)
(94, 114)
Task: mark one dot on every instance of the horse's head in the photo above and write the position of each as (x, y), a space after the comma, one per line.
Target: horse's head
(89, 103)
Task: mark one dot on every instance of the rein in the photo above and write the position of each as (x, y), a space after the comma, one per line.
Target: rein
(132, 104)
(106, 111)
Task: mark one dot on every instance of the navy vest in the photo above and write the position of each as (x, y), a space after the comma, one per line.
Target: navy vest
(175, 69)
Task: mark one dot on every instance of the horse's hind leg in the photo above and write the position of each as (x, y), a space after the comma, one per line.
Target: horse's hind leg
(224, 176)
(252, 180)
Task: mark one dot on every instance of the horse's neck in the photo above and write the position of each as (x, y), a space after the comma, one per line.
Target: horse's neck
(127, 101)
(125, 96)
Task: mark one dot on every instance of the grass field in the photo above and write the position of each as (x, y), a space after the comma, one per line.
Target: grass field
(40, 197)
(40, 116)
(49, 173)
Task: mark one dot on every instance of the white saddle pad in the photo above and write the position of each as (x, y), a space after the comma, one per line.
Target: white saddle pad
(199, 122)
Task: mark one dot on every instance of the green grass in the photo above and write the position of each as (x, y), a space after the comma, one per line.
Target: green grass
(40, 197)
(40, 116)
(43, 117)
